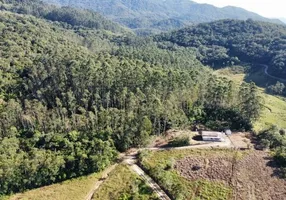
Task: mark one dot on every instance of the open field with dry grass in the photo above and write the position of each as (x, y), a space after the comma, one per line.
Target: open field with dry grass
(162, 166)
(220, 173)
(251, 177)
(75, 189)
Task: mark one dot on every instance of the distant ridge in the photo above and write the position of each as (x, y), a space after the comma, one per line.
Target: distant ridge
(158, 15)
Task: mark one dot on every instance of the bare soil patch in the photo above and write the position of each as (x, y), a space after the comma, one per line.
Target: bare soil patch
(215, 169)
(251, 177)
(241, 140)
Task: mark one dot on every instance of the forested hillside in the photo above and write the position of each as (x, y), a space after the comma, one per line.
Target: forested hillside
(229, 42)
(71, 97)
(70, 16)
(152, 16)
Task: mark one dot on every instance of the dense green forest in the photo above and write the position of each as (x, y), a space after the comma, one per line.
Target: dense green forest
(68, 15)
(153, 16)
(72, 96)
(229, 42)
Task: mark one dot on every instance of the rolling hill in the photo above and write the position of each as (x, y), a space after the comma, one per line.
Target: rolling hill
(228, 42)
(76, 88)
(145, 15)
(71, 16)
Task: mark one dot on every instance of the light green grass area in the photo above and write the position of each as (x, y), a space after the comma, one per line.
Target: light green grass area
(159, 166)
(273, 113)
(155, 158)
(123, 184)
(75, 189)
(274, 108)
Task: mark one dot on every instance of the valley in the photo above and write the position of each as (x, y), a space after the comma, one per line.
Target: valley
(98, 106)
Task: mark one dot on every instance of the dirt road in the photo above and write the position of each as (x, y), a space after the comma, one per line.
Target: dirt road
(131, 161)
(99, 182)
(266, 72)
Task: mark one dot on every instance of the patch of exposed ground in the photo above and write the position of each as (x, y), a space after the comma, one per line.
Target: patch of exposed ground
(253, 177)
(215, 169)
(241, 140)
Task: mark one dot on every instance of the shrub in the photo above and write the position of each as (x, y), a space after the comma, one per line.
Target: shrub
(180, 141)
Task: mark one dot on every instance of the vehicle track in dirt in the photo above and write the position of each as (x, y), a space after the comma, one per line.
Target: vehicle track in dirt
(131, 161)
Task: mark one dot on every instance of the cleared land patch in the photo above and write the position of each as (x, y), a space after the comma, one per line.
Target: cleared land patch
(218, 174)
(215, 169)
(75, 189)
(161, 165)
(250, 176)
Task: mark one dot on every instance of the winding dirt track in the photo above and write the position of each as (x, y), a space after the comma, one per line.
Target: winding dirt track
(266, 73)
(131, 161)
(99, 182)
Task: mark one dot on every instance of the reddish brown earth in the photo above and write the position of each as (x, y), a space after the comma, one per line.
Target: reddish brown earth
(252, 178)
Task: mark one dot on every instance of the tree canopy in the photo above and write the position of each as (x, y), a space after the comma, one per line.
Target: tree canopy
(71, 97)
(229, 42)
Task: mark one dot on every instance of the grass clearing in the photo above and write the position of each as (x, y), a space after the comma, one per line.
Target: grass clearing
(160, 165)
(155, 158)
(75, 189)
(274, 111)
(122, 183)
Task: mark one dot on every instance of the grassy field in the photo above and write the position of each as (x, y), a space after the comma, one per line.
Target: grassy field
(274, 111)
(75, 189)
(121, 184)
(124, 184)
(160, 166)
(214, 174)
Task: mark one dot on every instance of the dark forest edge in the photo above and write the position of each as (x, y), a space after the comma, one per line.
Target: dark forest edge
(72, 96)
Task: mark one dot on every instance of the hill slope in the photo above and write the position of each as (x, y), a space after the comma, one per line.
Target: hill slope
(227, 42)
(70, 16)
(146, 14)
(72, 96)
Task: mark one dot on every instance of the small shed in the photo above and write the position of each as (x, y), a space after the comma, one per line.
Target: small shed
(212, 136)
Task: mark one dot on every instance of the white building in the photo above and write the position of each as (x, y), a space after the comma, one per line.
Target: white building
(213, 136)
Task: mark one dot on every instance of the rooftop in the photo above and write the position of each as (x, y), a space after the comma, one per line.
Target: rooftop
(211, 134)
